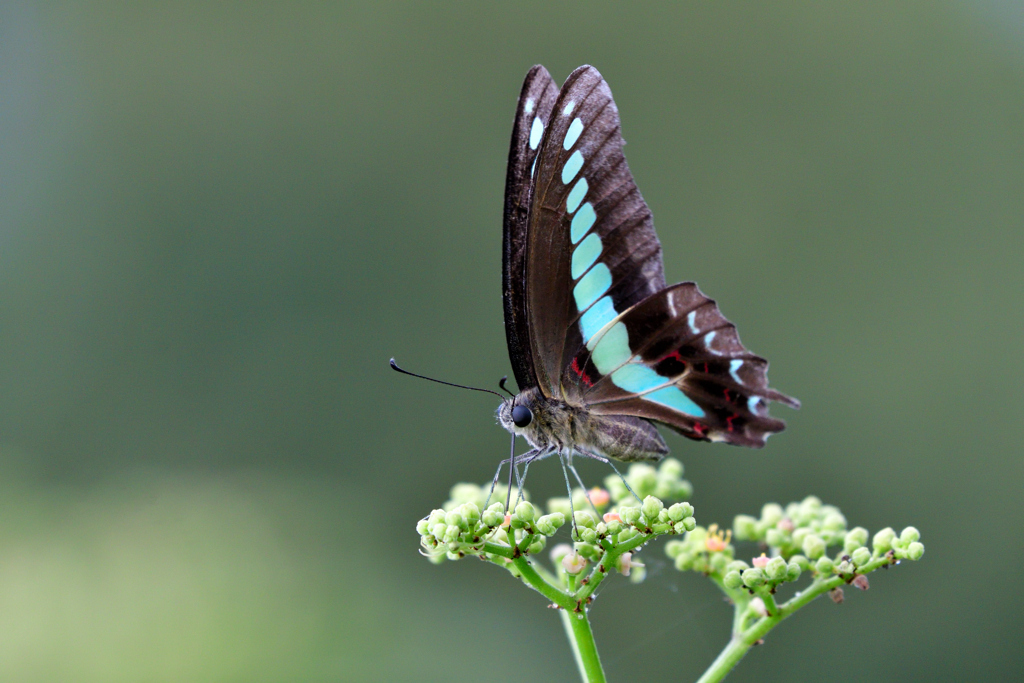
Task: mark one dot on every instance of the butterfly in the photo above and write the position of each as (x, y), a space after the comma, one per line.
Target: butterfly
(601, 348)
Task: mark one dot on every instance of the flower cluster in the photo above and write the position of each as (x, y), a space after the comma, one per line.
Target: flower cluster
(604, 534)
(461, 528)
(803, 532)
(797, 539)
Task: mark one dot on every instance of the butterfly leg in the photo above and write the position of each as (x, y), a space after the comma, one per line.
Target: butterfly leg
(525, 459)
(568, 491)
(607, 461)
(530, 455)
(583, 486)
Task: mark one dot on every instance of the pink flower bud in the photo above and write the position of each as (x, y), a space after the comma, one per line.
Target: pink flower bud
(574, 563)
(599, 497)
(760, 562)
(861, 582)
(757, 604)
(610, 517)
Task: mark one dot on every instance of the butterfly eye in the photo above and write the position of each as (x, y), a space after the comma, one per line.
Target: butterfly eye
(522, 416)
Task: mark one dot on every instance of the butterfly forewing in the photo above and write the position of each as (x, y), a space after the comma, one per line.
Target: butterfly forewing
(592, 245)
(533, 112)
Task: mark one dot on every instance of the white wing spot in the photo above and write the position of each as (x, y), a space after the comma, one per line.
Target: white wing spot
(690, 321)
(569, 107)
(708, 338)
(573, 134)
(536, 131)
(734, 366)
(528, 107)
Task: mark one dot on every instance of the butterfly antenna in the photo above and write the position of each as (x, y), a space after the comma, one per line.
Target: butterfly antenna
(501, 385)
(394, 366)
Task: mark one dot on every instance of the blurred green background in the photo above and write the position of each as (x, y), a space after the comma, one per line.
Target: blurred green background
(218, 222)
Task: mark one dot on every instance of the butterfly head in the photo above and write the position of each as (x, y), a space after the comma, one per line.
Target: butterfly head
(519, 414)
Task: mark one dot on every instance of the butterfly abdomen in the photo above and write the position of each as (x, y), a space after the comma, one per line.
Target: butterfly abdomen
(565, 428)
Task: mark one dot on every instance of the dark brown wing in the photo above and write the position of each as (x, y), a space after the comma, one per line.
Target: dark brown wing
(532, 114)
(674, 358)
(591, 234)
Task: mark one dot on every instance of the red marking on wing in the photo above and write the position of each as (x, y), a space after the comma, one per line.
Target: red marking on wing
(727, 397)
(728, 420)
(699, 428)
(674, 354)
(705, 366)
(580, 373)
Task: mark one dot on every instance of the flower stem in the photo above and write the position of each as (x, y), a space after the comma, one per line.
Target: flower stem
(577, 629)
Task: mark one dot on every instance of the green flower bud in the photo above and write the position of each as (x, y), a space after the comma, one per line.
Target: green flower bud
(423, 527)
(845, 567)
(793, 571)
(909, 535)
(882, 542)
(776, 569)
(775, 537)
(643, 478)
(915, 550)
(630, 515)
(587, 550)
(436, 517)
(661, 527)
(439, 530)
(800, 561)
(673, 548)
(526, 512)
(537, 546)
(616, 488)
(813, 546)
(833, 522)
(753, 577)
(549, 524)
(744, 528)
(680, 511)
(470, 512)
(736, 566)
(491, 519)
(584, 518)
(651, 507)
(663, 517)
(670, 467)
(857, 534)
(638, 574)
(690, 523)
(718, 562)
(614, 527)
(824, 566)
(861, 556)
(732, 580)
(684, 562)
(588, 535)
(771, 513)
(451, 534)
(812, 502)
(626, 534)
(560, 505)
(461, 493)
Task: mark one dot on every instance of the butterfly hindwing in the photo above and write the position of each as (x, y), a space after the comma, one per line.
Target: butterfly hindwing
(533, 112)
(676, 359)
